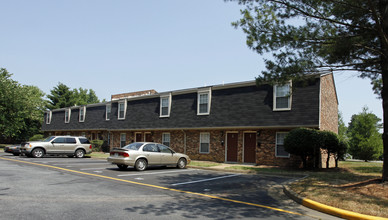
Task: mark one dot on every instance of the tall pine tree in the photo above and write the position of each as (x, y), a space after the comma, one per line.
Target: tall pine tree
(308, 36)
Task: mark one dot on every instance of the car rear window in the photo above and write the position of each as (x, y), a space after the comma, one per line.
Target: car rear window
(133, 146)
(84, 141)
(150, 148)
(71, 141)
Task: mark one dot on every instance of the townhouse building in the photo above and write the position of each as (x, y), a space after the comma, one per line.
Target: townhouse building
(237, 122)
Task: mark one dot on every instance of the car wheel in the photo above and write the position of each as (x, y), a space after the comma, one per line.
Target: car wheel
(141, 164)
(181, 163)
(122, 166)
(37, 153)
(79, 153)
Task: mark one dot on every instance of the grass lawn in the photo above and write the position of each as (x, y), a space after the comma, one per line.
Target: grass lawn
(3, 145)
(204, 164)
(355, 186)
(100, 155)
(269, 170)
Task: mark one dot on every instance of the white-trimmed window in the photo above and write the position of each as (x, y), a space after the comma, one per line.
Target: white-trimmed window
(204, 101)
(82, 114)
(123, 138)
(165, 105)
(280, 152)
(67, 115)
(204, 143)
(166, 139)
(108, 111)
(122, 110)
(282, 97)
(48, 117)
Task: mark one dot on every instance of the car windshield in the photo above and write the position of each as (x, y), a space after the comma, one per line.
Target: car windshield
(133, 146)
(48, 139)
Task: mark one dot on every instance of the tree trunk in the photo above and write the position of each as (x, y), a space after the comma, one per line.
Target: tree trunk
(383, 9)
(385, 122)
(328, 160)
(336, 162)
(304, 161)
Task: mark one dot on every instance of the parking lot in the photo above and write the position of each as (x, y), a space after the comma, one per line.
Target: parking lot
(256, 192)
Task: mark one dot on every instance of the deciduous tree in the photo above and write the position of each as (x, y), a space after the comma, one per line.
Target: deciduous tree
(365, 139)
(21, 109)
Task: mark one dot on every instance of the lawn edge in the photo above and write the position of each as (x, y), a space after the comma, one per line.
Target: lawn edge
(325, 208)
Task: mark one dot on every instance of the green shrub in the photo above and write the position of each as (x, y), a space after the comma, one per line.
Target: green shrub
(303, 142)
(37, 137)
(96, 144)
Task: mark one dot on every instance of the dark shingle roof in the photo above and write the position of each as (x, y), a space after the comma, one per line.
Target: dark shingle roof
(244, 105)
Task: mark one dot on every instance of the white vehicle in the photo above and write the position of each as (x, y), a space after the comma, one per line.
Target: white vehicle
(59, 145)
(143, 154)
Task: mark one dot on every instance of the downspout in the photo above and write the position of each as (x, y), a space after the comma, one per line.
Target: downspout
(184, 141)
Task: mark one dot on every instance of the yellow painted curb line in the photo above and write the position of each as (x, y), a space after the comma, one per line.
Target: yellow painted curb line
(338, 212)
(155, 186)
(329, 209)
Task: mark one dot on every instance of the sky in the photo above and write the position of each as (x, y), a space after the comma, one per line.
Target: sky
(124, 46)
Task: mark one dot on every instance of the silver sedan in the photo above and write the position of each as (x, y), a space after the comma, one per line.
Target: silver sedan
(143, 154)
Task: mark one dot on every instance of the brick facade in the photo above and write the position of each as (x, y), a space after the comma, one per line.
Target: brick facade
(328, 112)
(329, 104)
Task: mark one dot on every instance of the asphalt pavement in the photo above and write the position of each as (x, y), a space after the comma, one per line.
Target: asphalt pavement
(73, 188)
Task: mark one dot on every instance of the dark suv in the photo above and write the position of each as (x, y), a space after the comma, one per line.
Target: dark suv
(60, 145)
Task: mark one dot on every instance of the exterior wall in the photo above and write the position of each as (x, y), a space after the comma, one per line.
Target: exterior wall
(328, 113)
(324, 158)
(329, 104)
(266, 154)
(188, 142)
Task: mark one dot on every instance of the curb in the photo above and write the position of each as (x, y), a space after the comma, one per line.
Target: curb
(327, 209)
(218, 169)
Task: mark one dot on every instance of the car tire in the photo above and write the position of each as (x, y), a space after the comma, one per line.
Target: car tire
(181, 163)
(79, 153)
(141, 165)
(122, 166)
(16, 154)
(37, 153)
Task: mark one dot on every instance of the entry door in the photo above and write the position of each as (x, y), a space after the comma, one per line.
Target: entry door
(148, 137)
(232, 142)
(139, 137)
(250, 148)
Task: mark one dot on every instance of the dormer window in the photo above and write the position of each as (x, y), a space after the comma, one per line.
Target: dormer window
(165, 105)
(48, 117)
(82, 114)
(204, 101)
(122, 109)
(67, 115)
(282, 97)
(108, 110)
